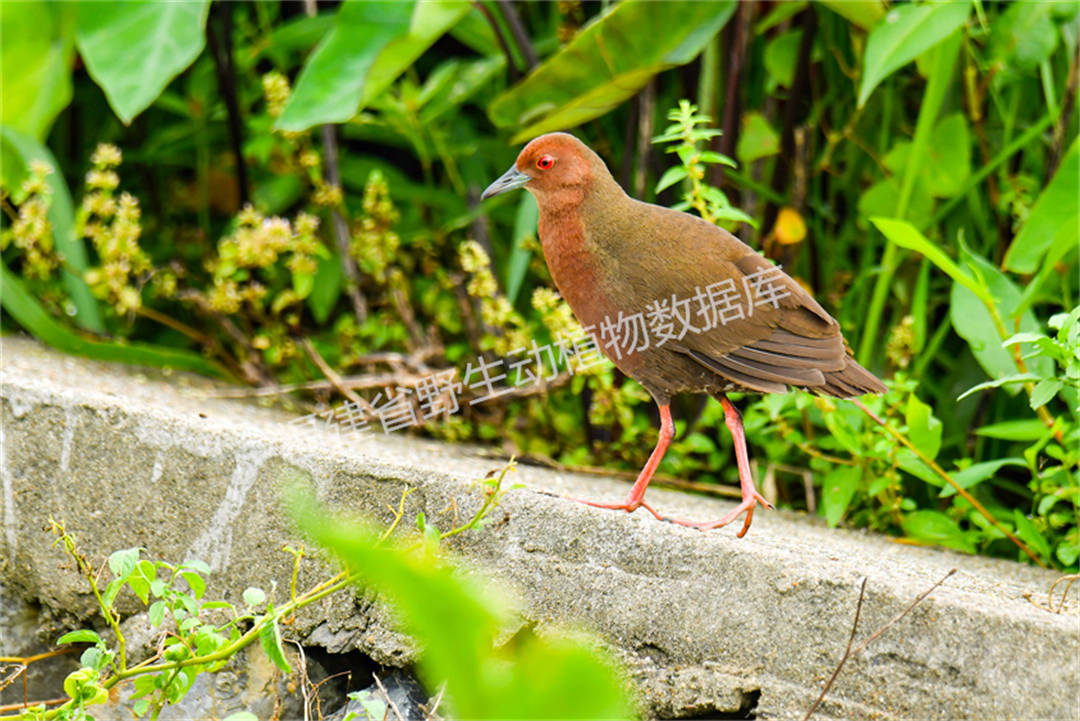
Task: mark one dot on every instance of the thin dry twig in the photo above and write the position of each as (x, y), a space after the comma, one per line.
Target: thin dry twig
(849, 653)
(431, 715)
(389, 701)
(1069, 580)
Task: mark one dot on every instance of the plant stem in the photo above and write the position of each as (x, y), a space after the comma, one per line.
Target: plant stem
(948, 479)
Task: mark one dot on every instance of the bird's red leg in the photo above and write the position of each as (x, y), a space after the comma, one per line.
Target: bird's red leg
(750, 496)
(637, 493)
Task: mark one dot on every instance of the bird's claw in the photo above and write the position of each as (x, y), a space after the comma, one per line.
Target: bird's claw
(748, 503)
(629, 505)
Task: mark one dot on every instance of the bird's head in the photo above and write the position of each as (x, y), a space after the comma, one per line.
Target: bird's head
(556, 163)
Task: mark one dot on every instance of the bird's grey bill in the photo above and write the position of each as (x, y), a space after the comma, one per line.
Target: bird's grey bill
(510, 180)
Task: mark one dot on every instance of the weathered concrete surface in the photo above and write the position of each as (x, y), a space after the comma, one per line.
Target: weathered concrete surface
(705, 622)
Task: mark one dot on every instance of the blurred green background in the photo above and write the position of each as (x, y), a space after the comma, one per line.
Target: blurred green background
(287, 195)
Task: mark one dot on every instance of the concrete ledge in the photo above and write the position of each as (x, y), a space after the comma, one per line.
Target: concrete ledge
(706, 623)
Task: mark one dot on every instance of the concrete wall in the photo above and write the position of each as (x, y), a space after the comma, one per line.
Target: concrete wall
(704, 622)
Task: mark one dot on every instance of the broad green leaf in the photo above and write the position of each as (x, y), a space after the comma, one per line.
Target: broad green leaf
(903, 34)
(35, 64)
(430, 20)
(757, 139)
(923, 429)
(270, 638)
(972, 321)
(948, 158)
(1054, 218)
(342, 76)
(25, 309)
(837, 490)
(977, 473)
(880, 200)
(937, 528)
(781, 56)
(1031, 429)
(525, 678)
(331, 84)
(1023, 35)
(134, 49)
(524, 228)
(862, 13)
(607, 62)
(24, 149)
(83, 635)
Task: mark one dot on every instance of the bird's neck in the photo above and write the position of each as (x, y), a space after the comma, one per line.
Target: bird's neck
(570, 222)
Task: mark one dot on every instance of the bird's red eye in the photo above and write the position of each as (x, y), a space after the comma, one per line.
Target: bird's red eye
(544, 162)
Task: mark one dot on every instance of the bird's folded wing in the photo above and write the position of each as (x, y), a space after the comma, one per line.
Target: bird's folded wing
(787, 341)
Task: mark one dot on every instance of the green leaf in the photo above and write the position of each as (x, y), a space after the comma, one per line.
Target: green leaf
(122, 563)
(977, 473)
(862, 13)
(369, 46)
(430, 20)
(1054, 218)
(196, 565)
(1044, 392)
(1030, 429)
(254, 596)
(134, 49)
(998, 382)
(157, 613)
(195, 583)
(672, 175)
(25, 309)
(781, 56)
(908, 236)
(911, 463)
(607, 62)
(757, 139)
(145, 572)
(35, 64)
(947, 164)
(525, 678)
(972, 320)
(1030, 534)
(923, 429)
(1023, 36)
(270, 638)
(520, 255)
(906, 32)
(837, 490)
(83, 635)
(23, 150)
(880, 200)
(936, 528)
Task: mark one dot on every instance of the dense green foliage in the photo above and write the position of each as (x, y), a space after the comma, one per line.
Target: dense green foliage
(916, 166)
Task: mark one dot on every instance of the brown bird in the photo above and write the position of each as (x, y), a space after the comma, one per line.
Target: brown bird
(676, 303)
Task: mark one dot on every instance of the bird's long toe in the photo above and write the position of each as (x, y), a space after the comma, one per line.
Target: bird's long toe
(628, 505)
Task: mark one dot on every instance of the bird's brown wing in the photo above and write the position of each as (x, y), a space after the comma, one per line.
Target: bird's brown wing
(789, 340)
